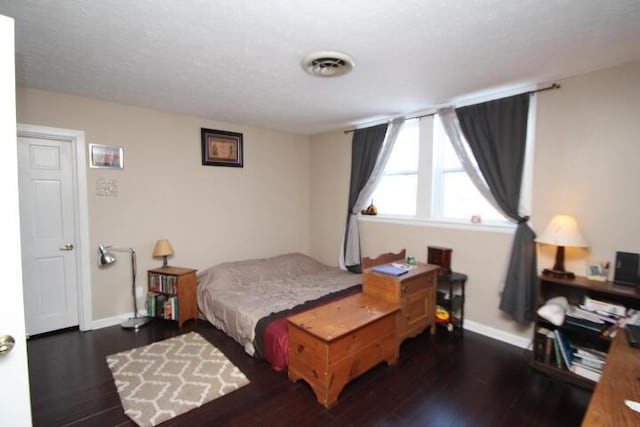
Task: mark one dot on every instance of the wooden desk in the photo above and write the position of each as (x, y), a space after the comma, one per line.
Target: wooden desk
(620, 381)
(334, 343)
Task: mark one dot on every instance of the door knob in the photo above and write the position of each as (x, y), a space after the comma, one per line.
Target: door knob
(67, 247)
(6, 344)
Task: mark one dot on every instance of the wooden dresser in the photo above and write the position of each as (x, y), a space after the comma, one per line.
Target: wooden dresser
(334, 343)
(414, 291)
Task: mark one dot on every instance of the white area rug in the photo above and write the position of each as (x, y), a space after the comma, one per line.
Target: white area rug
(168, 378)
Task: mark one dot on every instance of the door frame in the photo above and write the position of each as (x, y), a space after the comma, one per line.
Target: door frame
(80, 207)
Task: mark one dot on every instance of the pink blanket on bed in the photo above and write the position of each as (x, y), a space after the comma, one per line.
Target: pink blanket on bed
(276, 337)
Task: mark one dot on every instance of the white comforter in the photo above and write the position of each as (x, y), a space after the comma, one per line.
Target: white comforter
(234, 296)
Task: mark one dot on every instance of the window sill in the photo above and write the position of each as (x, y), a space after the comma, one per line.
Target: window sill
(420, 222)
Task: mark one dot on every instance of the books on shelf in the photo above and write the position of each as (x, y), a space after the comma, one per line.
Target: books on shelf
(585, 372)
(552, 347)
(588, 363)
(163, 306)
(586, 324)
(163, 283)
(583, 313)
(604, 307)
(601, 322)
(540, 345)
(564, 347)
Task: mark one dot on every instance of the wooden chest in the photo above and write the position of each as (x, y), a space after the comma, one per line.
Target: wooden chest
(334, 343)
(414, 291)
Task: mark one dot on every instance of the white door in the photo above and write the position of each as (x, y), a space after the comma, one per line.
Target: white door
(48, 234)
(14, 387)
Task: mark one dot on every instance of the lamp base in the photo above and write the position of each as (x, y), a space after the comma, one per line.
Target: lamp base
(558, 274)
(134, 322)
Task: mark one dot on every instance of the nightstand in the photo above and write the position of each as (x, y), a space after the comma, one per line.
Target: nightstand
(172, 294)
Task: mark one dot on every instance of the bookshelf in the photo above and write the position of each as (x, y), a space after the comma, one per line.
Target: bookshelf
(575, 290)
(172, 294)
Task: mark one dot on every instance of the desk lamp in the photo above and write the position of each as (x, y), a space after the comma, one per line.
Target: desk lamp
(562, 231)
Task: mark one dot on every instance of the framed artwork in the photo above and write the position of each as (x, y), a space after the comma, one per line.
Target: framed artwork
(106, 156)
(221, 148)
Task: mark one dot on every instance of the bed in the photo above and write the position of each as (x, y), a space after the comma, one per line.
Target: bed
(250, 300)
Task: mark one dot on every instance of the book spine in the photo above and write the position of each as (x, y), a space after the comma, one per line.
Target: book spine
(548, 350)
(558, 357)
(565, 348)
(538, 355)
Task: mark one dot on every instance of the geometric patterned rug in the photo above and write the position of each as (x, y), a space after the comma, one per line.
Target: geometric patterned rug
(168, 378)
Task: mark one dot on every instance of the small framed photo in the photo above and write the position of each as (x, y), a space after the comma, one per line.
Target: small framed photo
(595, 270)
(221, 148)
(598, 271)
(106, 156)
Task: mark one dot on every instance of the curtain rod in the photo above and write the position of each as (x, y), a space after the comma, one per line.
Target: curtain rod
(531, 92)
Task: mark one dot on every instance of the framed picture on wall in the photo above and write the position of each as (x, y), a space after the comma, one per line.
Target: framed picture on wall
(106, 156)
(221, 148)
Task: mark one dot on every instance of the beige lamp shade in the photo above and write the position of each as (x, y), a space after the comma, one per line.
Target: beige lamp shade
(563, 230)
(163, 249)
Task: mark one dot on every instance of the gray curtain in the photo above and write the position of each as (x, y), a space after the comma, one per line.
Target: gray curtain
(496, 132)
(365, 148)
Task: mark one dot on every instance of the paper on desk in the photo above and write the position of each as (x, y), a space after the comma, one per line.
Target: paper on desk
(633, 405)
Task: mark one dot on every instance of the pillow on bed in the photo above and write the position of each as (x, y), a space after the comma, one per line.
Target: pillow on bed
(263, 269)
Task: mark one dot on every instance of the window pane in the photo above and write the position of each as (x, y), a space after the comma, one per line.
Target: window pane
(449, 158)
(404, 156)
(461, 199)
(396, 194)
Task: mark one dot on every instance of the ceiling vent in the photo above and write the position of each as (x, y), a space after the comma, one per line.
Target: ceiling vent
(327, 64)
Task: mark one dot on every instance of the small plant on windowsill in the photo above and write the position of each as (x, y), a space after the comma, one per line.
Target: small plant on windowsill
(370, 210)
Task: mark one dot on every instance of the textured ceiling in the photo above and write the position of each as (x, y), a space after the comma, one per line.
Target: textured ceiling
(239, 60)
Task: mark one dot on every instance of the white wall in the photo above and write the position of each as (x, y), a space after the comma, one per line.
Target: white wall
(209, 214)
(586, 164)
(587, 161)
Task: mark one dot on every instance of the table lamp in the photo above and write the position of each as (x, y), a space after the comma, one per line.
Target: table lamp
(163, 249)
(562, 231)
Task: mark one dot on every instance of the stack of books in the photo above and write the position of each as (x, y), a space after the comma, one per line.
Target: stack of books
(597, 316)
(588, 363)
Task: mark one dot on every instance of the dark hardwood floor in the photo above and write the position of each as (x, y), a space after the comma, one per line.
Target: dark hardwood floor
(441, 380)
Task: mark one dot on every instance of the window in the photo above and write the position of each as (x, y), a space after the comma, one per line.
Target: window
(455, 197)
(397, 189)
(443, 185)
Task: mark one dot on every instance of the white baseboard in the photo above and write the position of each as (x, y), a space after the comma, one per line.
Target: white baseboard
(469, 325)
(115, 320)
(497, 334)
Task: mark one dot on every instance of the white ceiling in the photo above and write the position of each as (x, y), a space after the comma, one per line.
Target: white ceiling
(239, 60)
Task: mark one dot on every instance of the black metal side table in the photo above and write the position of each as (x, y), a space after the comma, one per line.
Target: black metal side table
(451, 290)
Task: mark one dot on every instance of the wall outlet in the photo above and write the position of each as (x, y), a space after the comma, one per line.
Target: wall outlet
(139, 292)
